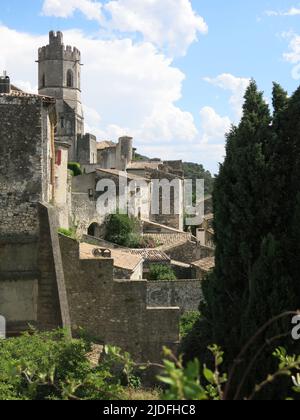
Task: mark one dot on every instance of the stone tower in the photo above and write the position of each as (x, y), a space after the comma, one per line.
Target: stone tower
(59, 77)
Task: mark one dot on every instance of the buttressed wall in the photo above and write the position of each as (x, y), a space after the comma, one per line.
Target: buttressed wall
(31, 284)
(115, 311)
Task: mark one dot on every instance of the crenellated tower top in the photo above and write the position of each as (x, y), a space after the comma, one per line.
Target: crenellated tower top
(57, 50)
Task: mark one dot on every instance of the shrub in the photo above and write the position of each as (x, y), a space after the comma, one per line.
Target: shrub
(71, 233)
(50, 365)
(123, 230)
(75, 168)
(160, 272)
(198, 382)
(187, 322)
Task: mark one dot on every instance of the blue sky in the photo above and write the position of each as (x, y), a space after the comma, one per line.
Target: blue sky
(147, 75)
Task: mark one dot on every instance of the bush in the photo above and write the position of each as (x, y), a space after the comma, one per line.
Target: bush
(193, 381)
(75, 168)
(43, 366)
(187, 322)
(123, 230)
(160, 272)
(70, 233)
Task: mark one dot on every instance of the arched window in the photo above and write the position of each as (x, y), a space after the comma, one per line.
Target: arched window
(70, 78)
(43, 80)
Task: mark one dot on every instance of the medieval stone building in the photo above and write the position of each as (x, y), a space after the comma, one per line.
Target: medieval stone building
(60, 78)
(49, 280)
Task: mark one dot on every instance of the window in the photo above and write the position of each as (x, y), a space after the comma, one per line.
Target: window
(62, 122)
(43, 80)
(70, 78)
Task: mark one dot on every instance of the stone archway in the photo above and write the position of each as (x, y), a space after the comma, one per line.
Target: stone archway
(94, 230)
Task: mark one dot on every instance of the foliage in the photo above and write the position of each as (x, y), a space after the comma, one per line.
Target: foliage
(70, 233)
(192, 382)
(187, 382)
(125, 231)
(187, 322)
(195, 171)
(75, 168)
(122, 230)
(43, 366)
(257, 229)
(139, 158)
(161, 272)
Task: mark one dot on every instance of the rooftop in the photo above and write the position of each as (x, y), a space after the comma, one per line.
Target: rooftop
(168, 240)
(141, 165)
(206, 264)
(121, 259)
(18, 93)
(115, 172)
(102, 145)
(150, 255)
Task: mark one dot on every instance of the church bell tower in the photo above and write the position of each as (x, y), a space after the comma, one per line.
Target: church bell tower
(59, 77)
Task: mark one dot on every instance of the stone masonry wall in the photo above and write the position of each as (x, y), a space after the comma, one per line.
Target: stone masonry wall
(84, 212)
(115, 311)
(186, 294)
(21, 172)
(32, 289)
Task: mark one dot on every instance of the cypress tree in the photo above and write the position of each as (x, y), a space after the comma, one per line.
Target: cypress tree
(257, 234)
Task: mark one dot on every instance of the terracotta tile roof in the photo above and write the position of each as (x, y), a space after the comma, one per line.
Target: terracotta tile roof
(141, 165)
(121, 259)
(122, 173)
(20, 94)
(105, 145)
(168, 240)
(150, 255)
(206, 264)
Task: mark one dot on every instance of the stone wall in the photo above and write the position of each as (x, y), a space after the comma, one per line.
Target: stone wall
(83, 212)
(115, 311)
(25, 172)
(186, 294)
(175, 219)
(53, 307)
(32, 289)
(87, 149)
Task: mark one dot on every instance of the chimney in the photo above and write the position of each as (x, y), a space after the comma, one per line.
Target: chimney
(4, 83)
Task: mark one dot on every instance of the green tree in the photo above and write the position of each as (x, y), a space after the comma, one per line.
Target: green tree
(257, 232)
(123, 230)
(161, 272)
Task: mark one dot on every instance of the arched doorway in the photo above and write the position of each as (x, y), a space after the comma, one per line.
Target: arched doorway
(94, 230)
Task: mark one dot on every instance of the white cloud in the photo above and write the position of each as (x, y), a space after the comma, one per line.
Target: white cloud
(66, 8)
(213, 126)
(128, 88)
(171, 25)
(293, 55)
(293, 11)
(236, 85)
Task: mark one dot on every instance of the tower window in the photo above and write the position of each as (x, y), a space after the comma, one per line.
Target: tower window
(43, 80)
(70, 78)
(62, 122)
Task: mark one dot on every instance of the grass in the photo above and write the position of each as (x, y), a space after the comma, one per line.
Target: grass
(132, 394)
